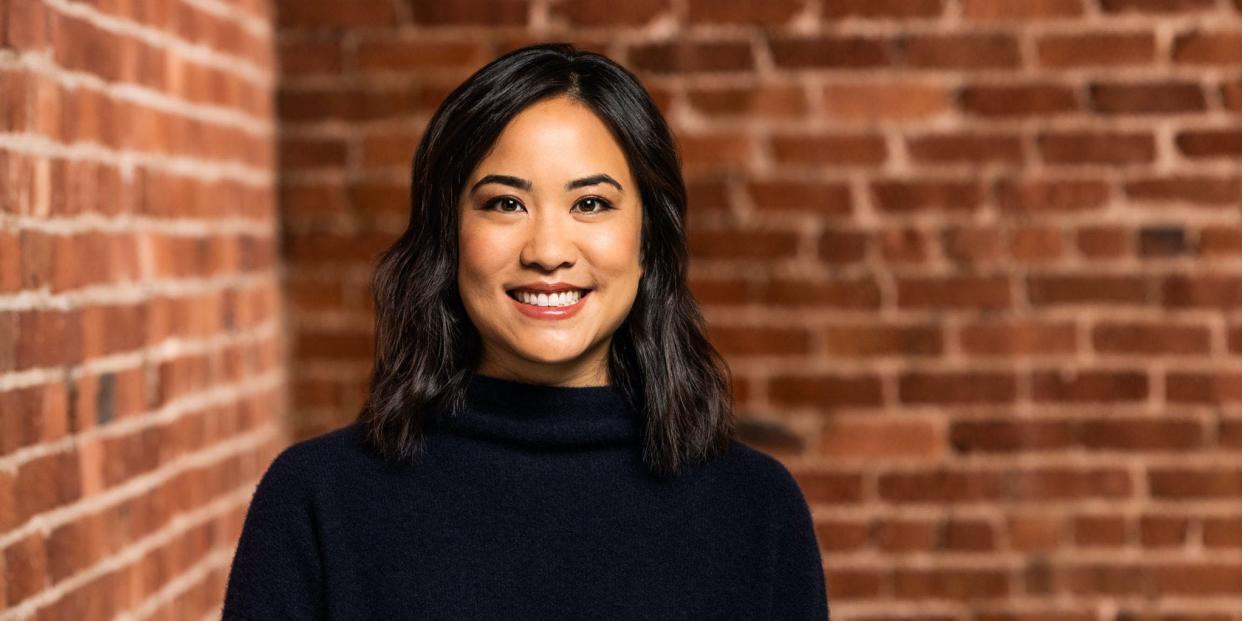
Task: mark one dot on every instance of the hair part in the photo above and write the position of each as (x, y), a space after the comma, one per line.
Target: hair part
(426, 347)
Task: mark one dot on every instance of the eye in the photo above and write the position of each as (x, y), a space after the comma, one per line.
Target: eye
(506, 201)
(599, 204)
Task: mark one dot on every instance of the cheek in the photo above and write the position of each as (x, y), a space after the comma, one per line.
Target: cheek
(616, 251)
(480, 254)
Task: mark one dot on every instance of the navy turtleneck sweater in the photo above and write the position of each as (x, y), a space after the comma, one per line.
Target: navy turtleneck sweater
(533, 503)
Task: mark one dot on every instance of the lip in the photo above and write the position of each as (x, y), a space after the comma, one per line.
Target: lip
(551, 312)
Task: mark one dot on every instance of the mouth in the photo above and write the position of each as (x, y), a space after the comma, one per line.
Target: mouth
(543, 299)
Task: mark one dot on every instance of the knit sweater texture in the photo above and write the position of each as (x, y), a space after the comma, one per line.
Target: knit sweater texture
(532, 503)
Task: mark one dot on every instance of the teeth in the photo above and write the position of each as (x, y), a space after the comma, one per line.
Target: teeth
(563, 298)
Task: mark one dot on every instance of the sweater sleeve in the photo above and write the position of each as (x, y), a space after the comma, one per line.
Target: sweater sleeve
(798, 589)
(276, 571)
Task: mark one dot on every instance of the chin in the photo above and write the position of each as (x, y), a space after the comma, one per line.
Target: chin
(551, 356)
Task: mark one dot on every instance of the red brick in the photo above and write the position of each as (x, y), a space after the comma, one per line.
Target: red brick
(904, 196)
(842, 534)
(298, 153)
(1104, 242)
(772, 13)
(1231, 94)
(1007, 435)
(1181, 291)
(825, 391)
(881, 9)
(954, 291)
(830, 149)
(1096, 49)
(966, 584)
(1088, 385)
(498, 13)
(965, 147)
(764, 101)
(839, 246)
(890, 439)
(760, 341)
(692, 56)
(972, 245)
(897, 535)
(1157, 531)
(1023, 338)
(25, 568)
(1156, 6)
(1208, 48)
(414, 55)
(885, 101)
(1148, 98)
(830, 486)
(1188, 482)
(941, 484)
(822, 199)
(861, 293)
(1097, 147)
(1050, 194)
(1030, 533)
(1150, 338)
(1194, 189)
(1035, 244)
(829, 52)
(1141, 434)
(1031, 99)
(743, 244)
(711, 153)
(905, 245)
(301, 14)
(1210, 143)
(595, 13)
(1204, 578)
(1223, 532)
(854, 584)
(1070, 483)
(27, 25)
(1165, 241)
(960, 51)
(1101, 531)
(853, 341)
(1020, 9)
(956, 387)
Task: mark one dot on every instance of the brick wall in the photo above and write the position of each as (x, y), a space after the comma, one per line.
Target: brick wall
(974, 263)
(141, 371)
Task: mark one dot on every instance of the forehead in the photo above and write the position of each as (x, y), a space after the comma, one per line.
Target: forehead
(555, 137)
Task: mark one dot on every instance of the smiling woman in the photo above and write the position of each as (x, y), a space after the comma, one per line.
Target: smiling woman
(548, 434)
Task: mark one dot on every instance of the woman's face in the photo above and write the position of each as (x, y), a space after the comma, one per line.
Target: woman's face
(553, 205)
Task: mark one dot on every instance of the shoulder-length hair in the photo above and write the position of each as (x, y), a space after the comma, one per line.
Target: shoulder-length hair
(426, 347)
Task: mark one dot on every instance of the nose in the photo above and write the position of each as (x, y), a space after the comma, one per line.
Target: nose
(549, 242)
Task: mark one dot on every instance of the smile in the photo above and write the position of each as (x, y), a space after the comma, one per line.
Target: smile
(561, 305)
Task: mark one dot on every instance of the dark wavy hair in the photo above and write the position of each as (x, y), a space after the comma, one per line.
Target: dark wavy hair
(426, 347)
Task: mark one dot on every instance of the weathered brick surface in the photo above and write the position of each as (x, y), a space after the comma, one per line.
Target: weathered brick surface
(141, 366)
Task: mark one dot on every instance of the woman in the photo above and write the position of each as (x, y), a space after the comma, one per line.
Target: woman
(548, 433)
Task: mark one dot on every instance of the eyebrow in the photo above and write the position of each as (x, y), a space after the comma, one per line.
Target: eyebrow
(523, 184)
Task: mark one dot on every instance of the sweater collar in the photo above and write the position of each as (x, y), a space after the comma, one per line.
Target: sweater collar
(541, 416)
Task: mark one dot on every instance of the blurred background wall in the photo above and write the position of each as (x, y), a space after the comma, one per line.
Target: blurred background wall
(975, 265)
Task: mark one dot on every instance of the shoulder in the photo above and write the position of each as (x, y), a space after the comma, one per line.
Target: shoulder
(763, 473)
(309, 463)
